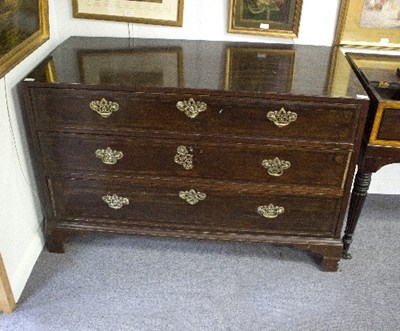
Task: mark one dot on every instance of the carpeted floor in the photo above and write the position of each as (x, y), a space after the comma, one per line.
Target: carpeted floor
(140, 283)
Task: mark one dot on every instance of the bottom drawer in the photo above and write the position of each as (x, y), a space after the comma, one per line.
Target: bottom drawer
(224, 207)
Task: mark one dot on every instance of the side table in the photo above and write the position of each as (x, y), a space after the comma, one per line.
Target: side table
(379, 74)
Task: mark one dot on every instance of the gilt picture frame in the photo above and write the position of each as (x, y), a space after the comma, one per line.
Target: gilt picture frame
(369, 24)
(157, 12)
(279, 18)
(24, 26)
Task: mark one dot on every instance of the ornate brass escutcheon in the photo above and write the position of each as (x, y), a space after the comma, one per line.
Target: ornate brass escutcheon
(276, 166)
(114, 201)
(184, 158)
(108, 156)
(192, 197)
(383, 84)
(103, 107)
(270, 211)
(282, 117)
(191, 108)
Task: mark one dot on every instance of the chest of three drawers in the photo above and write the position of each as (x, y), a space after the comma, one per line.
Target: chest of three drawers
(194, 164)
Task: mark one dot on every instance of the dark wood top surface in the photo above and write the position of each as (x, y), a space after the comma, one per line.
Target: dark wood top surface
(380, 74)
(210, 65)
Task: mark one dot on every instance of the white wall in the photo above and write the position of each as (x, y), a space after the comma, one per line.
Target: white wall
(205, 20)
(386, 180)
(20, 213)
(21, 239)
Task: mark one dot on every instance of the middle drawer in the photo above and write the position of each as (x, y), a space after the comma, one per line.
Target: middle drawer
(280, 164)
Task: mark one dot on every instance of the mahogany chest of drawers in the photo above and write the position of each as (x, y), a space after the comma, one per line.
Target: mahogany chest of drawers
(194, 139)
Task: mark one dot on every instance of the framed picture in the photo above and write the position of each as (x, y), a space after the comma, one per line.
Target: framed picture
(159, 12)
(150, 67)
(24, 26)
(280, 18)
(369, 23)
(256, 69)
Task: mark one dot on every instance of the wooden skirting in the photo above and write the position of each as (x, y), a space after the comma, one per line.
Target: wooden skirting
(7, 302)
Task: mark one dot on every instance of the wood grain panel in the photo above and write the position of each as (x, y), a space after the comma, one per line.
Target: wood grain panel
(75, 153)
(226, 208)
(68, 109)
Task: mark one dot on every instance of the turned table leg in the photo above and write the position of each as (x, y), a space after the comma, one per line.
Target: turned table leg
(358, 195)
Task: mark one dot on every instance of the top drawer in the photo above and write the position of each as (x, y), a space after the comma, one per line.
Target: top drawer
(71, 109)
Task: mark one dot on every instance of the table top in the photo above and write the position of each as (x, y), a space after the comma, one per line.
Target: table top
(380, 73)
(210, 65)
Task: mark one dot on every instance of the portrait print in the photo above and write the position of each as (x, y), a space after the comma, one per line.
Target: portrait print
(381, 14)
(369, 23)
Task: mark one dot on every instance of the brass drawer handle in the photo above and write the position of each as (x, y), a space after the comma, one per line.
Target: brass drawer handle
(183, 157)
(108, 156)
(192, 197)
(270, 211)
(191, 108)
(114, 201)
(383, 84)
(276, 166)
(282, 117)
(103, 107)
